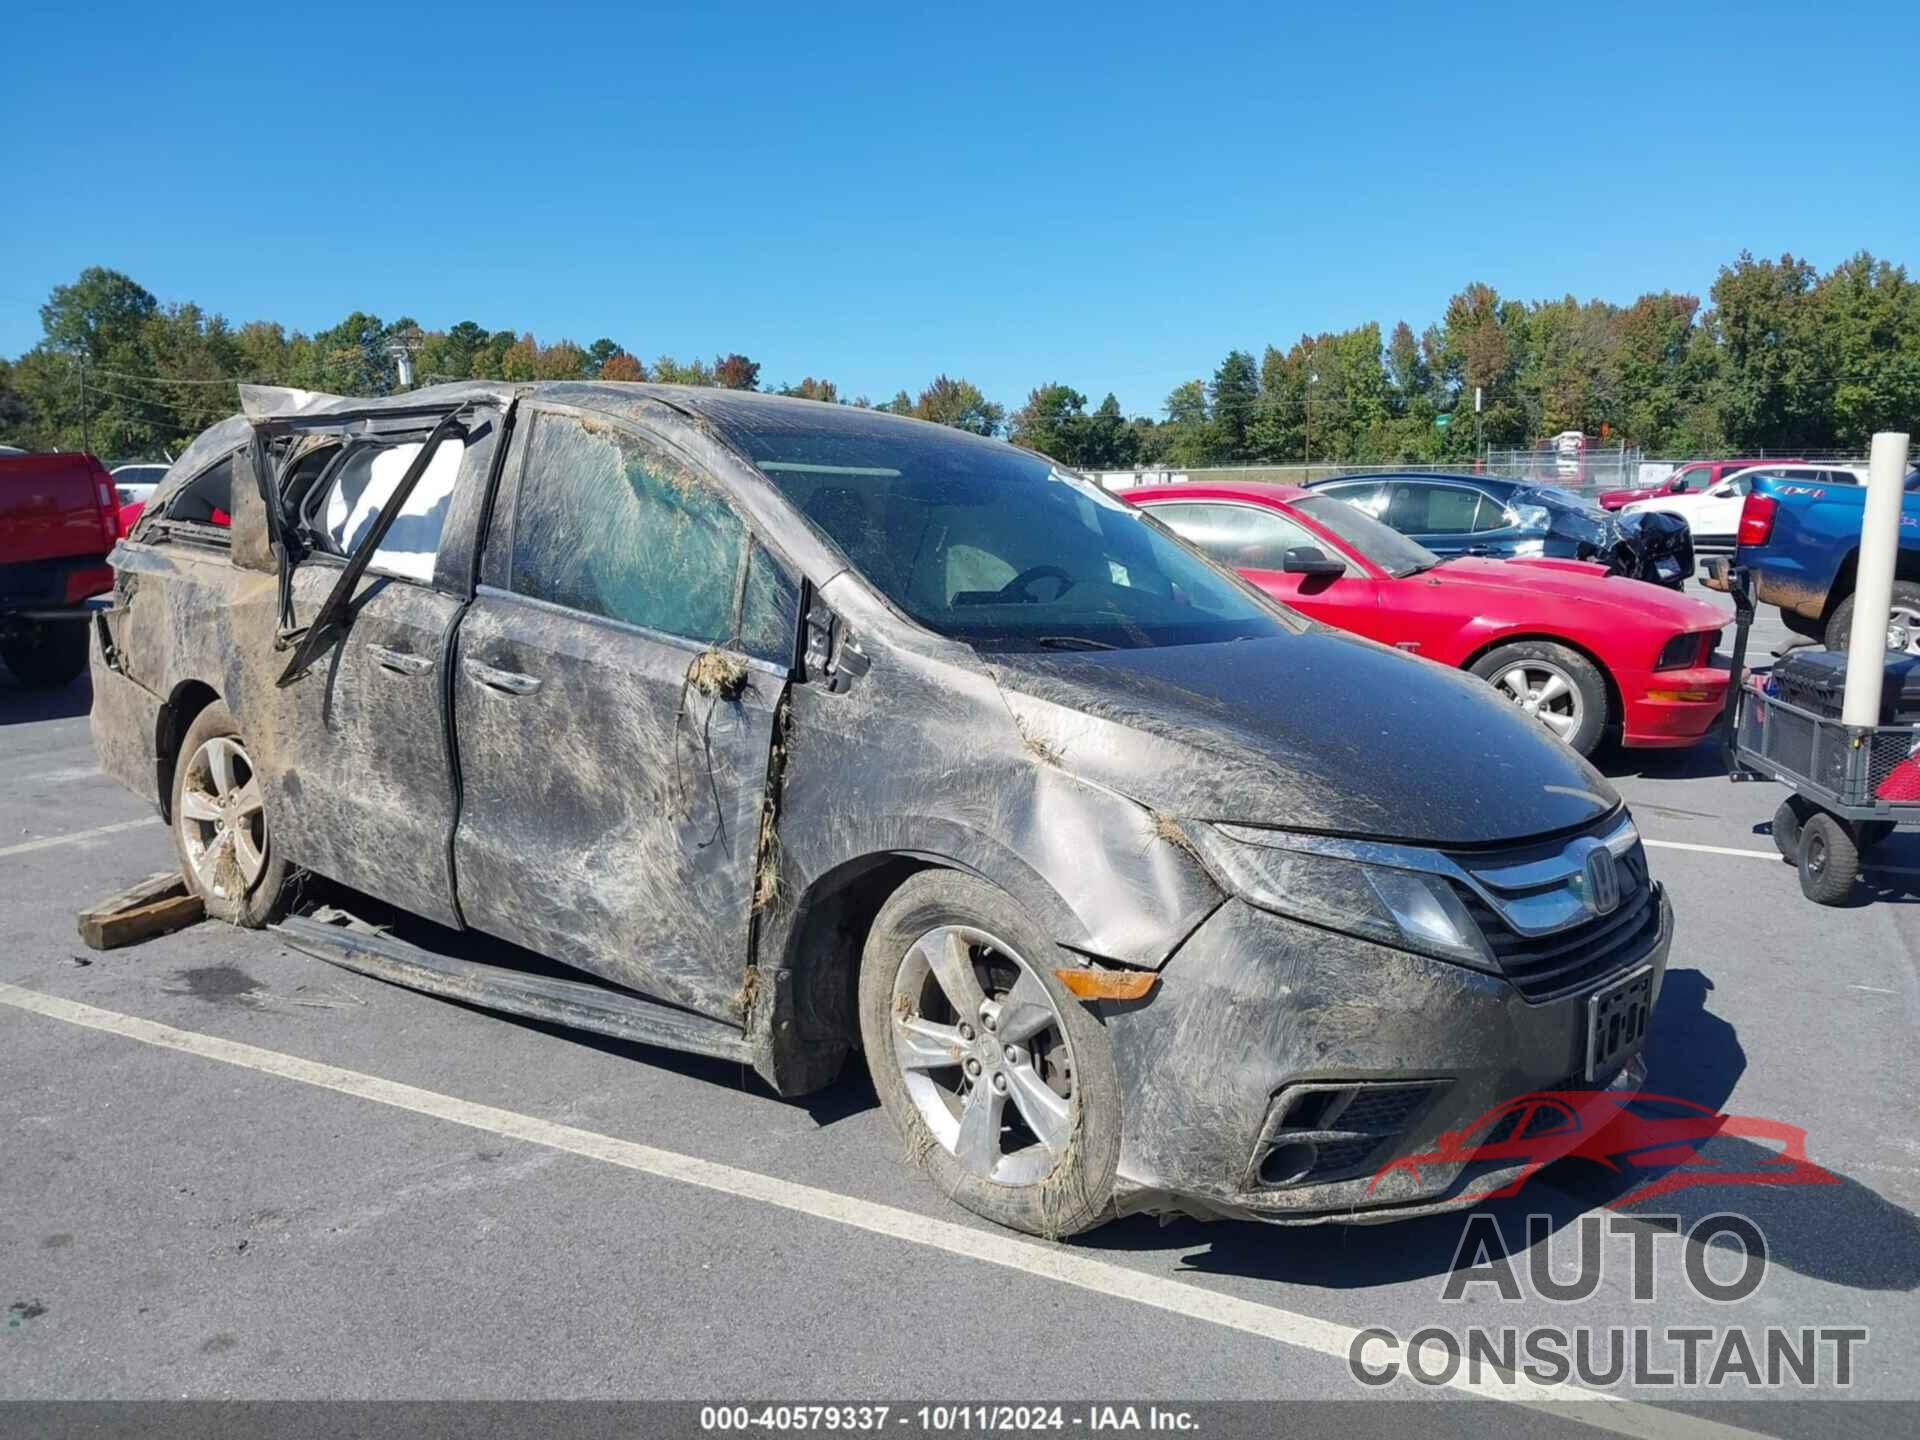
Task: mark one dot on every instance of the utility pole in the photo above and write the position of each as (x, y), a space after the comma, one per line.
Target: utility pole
(86, 427)
(1312, 376)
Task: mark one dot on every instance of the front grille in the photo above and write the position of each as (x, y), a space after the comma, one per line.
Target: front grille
(1545, 967)
(1319, 1131)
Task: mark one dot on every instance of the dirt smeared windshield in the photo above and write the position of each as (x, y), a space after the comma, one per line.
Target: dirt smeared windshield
(1000, 548)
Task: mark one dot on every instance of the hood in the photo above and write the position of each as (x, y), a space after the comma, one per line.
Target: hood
(1319, 731)
(1584, 583)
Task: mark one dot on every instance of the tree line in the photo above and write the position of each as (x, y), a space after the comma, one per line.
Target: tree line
(1781, 358)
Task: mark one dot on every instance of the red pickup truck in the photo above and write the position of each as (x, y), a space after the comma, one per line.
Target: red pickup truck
(1693, 478)
(59, 517)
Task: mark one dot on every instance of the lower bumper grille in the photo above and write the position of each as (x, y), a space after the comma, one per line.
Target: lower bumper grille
(1318, 1132)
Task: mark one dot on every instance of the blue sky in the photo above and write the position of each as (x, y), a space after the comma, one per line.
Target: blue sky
(1111, 195)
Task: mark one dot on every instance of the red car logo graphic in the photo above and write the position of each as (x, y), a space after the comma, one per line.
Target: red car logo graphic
(1624, 1131)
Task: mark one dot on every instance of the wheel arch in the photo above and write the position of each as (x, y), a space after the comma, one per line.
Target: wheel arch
(175, 717)
(1616, 705)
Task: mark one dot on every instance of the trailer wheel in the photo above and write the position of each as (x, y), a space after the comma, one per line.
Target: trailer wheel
(1787, 820)
(1829, 860)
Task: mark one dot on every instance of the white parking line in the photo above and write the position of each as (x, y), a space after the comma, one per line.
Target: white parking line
(1773, 855)
(76, 838)
(1051, 1262)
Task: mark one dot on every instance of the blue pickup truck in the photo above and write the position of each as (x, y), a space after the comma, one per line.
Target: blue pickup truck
(1800, 541)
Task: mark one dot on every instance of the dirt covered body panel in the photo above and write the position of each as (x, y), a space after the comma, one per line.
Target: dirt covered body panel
(624, 802)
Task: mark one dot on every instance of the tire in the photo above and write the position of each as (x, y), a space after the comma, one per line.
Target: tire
(1829, 860)
(46, 656)
(1513, 671)
(1787, 821)
(1905, 613)
(220, 824)
(1052, 1176)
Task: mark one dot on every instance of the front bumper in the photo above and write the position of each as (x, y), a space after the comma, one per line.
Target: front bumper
(1661, 708)
(1255, 1004)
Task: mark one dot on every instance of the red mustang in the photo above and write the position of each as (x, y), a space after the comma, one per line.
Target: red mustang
(1585, 652)
(1629, 1130)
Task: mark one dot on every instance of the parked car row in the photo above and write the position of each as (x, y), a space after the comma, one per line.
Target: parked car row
(1584, 653)
(813, 729)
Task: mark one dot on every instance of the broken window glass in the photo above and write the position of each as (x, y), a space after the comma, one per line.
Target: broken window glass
(608, 524)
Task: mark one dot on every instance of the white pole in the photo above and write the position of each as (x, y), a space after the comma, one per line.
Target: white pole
(1873, 580)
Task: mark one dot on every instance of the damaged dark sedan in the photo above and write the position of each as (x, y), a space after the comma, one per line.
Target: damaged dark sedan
(792, 729)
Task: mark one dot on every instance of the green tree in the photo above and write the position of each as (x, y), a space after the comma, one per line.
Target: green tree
(960, 404)
(1234, 397)
(1052, 422)
(812, 389)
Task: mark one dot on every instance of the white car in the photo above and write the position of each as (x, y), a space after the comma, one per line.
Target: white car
(134, 483)
(1713, 515)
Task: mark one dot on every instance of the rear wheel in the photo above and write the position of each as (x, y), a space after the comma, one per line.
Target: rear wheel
(1903, 621)
(46, 655)
(1553, 684)
(1000, 1082)
(1829, 860)
(220, 824)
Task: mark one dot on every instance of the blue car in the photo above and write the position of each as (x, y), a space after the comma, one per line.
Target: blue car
(1485, 515)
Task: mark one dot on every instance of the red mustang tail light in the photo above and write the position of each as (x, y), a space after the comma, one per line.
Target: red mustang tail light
(1756, 519)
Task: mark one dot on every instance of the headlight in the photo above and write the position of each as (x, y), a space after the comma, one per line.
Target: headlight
(1679, 653)
(1295, 875)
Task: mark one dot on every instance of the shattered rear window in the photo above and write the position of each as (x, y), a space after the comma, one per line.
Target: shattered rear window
(997, 546)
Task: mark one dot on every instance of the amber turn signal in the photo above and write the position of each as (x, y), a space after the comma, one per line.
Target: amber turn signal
(1107, 984)
(1678, 695)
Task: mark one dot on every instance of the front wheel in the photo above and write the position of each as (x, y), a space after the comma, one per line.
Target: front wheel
(1553, 684)
(1001, 1084)
(46, 655)
(220, 824)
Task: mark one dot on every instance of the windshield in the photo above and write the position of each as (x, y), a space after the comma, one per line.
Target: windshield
(998, 547)
(1383, 545)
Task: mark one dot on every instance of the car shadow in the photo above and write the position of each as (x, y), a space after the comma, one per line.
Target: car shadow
(1694, 762)
(1843, 1233)
(26, 704)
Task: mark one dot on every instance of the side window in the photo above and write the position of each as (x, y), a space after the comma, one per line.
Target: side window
(359, 489)
(1235, 536)
(1492, 515)
(612, 525)
(1370, 498)
(206, 499)
(1838, 477)
(769, 610)
(1434, 509)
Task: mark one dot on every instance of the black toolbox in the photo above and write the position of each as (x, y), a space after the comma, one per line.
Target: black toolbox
(1816, 680)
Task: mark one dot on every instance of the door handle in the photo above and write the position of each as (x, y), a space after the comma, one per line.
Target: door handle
(509, 682)
(401, 662)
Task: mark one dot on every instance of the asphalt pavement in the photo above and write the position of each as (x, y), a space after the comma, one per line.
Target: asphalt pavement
(231, 1170)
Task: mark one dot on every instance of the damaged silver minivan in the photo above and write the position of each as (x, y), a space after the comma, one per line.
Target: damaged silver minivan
(791, 728)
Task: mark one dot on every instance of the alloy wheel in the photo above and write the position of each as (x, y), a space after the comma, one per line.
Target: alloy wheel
(1903, 630)
(974, 1029)
(223, 821)
(1545, 692)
